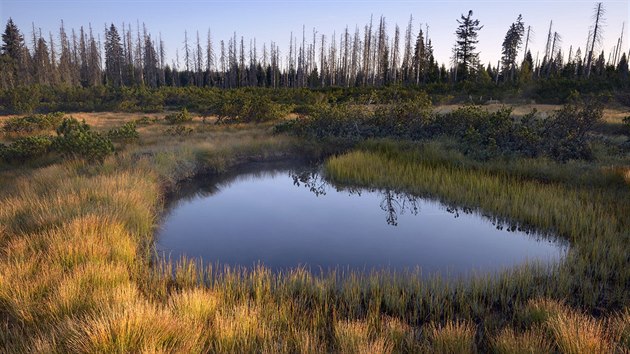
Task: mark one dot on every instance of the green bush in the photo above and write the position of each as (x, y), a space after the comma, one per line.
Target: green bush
(23, 99)
(258, 109)
(76, 140)
(70, 125)
(567, 131)
(180, 117)
(248, 107)
(479, 133)
(33, 123)
(341, 121)
(127, 133)
(26, 148)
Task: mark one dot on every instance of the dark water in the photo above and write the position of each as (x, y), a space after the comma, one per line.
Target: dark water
(285, 216)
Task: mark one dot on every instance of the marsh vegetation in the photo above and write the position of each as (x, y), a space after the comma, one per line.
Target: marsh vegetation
(78, 270)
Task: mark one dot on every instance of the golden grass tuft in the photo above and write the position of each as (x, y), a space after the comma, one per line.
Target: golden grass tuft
(532, 341)
(619, 328)
(355, 337)
(197, 304)
(401, 336)
(239, 329)
(138, 327)
(91, 286)
(576, 333)
(538, 311)
(453, 337)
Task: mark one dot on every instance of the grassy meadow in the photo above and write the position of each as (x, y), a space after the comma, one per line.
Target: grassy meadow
(77, 272)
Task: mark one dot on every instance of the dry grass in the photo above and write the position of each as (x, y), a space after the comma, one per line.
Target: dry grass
(354, 337)
(453, 337)
(531, 341)
(137, 327)
(619, 329)
(576, 333)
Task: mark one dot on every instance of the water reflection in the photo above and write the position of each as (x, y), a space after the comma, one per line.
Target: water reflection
(393, 203)
(286, 215)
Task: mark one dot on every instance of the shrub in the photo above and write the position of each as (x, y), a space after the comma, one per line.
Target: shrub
(566, 132)
(408, 119)
(344, 121)
(261, 109)
(26, 148)
(180, 117)
(77, 140)
(33, 123)
(248, 107)
(24, 99)
(70, 125)
(479, 133)
(127, 133)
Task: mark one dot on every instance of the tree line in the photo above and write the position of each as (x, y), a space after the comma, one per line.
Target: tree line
(133, 57)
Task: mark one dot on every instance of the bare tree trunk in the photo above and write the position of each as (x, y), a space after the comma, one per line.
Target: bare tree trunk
(599, 13)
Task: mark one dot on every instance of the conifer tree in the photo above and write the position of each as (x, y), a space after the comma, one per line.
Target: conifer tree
(14, 69)
(113, 57)
(511, 45)
(466, 54)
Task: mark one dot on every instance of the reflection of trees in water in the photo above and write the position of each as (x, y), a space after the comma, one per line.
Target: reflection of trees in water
(311, 179)
(393, 203)
(451, 209)
(498, 222)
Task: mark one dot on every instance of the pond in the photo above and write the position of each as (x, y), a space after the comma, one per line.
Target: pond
(285, 215)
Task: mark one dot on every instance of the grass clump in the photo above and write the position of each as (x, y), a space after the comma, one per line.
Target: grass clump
(575, 333)
(530, 341)
(136, 327)
(619, 327)
(354, 337)
(197, 304)
(453, 337)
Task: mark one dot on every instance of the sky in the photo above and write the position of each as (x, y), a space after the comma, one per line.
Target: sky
(274, 20)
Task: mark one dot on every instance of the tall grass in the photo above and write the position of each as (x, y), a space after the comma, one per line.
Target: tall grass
(76, 273)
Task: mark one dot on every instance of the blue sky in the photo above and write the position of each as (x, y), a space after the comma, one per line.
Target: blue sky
(274, 20)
